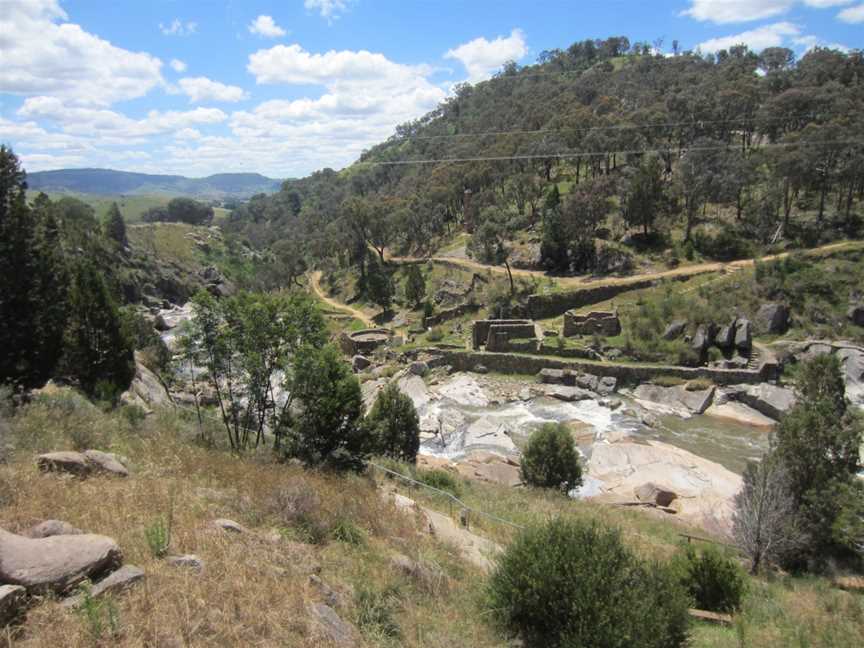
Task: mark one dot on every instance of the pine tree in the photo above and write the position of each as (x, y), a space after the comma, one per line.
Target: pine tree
(415, 286)
(394, 425)
(97, 354)
(115, 226)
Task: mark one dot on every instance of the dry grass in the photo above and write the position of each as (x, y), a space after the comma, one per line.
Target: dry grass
(255, 589)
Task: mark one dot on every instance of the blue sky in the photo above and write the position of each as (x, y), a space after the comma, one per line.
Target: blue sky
(290, 86)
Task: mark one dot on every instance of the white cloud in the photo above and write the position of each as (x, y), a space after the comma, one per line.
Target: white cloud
(101, 122)
(482, 58)
(329, 9)
(265, 26)
(853, 15)
(177, 65)
(200, 89)
(736, 11)
(43, 54)
(756, 39)
(188, 134)
(178, 28)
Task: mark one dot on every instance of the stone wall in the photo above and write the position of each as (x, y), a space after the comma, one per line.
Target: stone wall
(554, 304)
(523, 364)
(605, 323)
(450, 313)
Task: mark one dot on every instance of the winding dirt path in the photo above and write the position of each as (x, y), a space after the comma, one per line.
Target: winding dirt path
(315, 283)
(584, 281)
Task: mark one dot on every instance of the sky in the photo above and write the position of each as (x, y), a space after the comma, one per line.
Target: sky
(286, 87)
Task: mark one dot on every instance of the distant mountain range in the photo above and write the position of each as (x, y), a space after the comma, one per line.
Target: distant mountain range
(111, 183)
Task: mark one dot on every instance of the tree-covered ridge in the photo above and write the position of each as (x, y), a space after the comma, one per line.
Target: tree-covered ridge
(735, 149)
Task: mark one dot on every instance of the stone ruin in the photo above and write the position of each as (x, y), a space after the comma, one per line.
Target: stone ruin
(501, 335)
(364, 341)
(603, 323)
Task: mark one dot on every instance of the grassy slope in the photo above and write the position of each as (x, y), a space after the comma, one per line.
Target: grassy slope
(255, 591)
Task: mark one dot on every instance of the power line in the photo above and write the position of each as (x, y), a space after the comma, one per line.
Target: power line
(589, 154)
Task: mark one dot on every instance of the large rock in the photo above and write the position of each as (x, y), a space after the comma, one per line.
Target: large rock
(772, 319)
(856, 314)
(12, 602)
(147, 389)
(673, 400)
(106, 462)
(360, 362)
(419, 368)
(743, 335)
(768, 399)
(115, 583)
(704, 489)
(332, 627)
(56, 563)
(674, 330)
(82, 464)
(73, 463)
(50, 528)
(486, 434)
(415, 389)
(701, 340)
(567, 394)
(725, 338)
(490, 467)
(852, 365)
(652, 493)
(740, 413)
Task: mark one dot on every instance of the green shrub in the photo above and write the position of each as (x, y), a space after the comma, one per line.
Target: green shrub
(393, 425)
(158, 536)
(376, 610)
(436, 334)
(98, 615)
(698, 384)
(440, 479)
(569, 583)
(714, 581)
(667, 381)
(344, 530)
(551, 460)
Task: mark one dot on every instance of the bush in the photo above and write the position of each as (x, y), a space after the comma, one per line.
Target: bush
(436, 334)
(569, 583)
(440, 479)
(714, 581)
(551, 460)
(376, 610)
(394, 425)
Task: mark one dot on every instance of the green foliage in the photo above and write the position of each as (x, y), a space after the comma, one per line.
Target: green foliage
(415, 285)
(99, 616)
(715, 581)
(115, 226)
(551, 460)
(818, 443)
(344, 530)
(158, 537)
(180, 210)
(436, 334)
(570, 583)
(327, 429)
(379, 286)
(394, 425)
(376, 612)
(96, 351)
(440, 479)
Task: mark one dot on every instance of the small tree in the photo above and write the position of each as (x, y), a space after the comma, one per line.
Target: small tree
(715, 581)
(326, 430)
(551, 460)
(764, 524)
(394, 425)
(115, 226)
(568, 583)
(380, 286)
(415, 286)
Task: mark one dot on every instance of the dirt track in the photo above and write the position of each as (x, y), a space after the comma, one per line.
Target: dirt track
(315, 283)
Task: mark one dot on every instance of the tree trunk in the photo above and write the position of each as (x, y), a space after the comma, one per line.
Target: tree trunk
(510, 277)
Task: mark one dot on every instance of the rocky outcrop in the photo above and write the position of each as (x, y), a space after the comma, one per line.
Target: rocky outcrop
(115, 583)
(674, 330)
(767, 399)
(147, 389)
(856, 314)
(229, 526)
(82, 464)
(673, 400)
(359, 363)
(485, 434)
(331, 627)
(743, 335)
(57, 563)
(772, 319)
(490, 467)
(50, 528)
(654, 494)
(418, 368)
(740, 413)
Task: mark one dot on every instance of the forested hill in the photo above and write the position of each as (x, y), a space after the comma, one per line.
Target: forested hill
(601, 138)
(110, 182)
